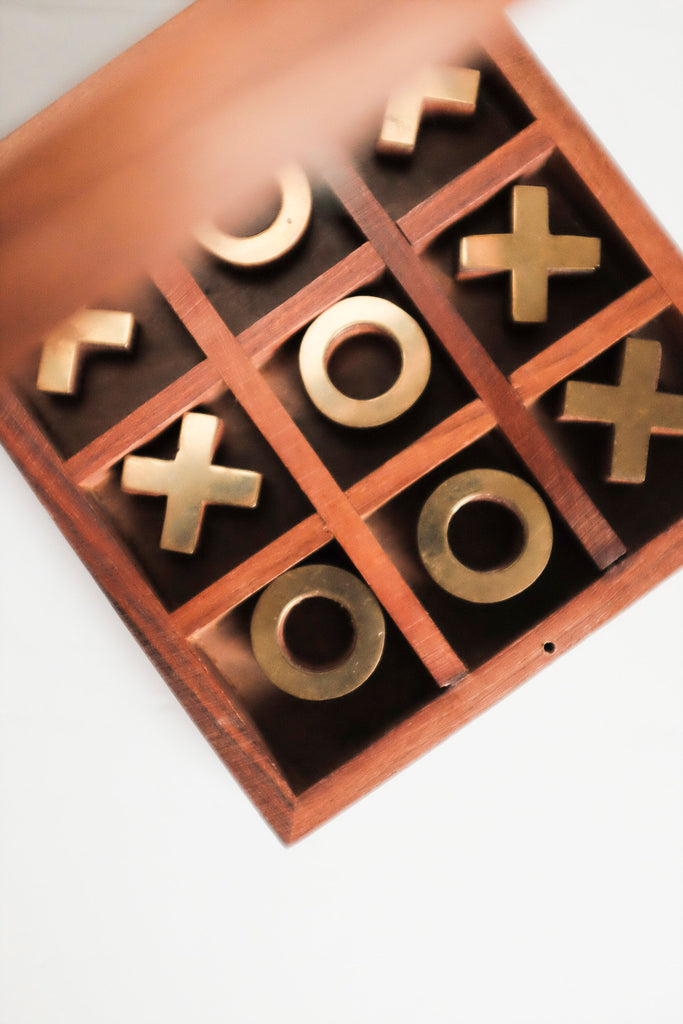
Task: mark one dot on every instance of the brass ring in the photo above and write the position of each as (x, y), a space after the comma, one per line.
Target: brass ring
(484, 587)
(345, 319)
(272, 609)
(282, 235)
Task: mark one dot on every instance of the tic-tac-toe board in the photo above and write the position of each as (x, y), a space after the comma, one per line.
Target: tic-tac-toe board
(363, 464)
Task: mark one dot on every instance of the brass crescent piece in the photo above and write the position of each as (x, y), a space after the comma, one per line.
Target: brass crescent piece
(282, 235)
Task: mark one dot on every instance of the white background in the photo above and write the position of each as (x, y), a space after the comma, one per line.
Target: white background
(528, 871)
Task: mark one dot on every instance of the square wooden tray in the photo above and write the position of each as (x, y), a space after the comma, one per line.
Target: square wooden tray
(226, 342)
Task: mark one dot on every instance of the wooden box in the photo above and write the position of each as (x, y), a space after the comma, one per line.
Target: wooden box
(226, 342)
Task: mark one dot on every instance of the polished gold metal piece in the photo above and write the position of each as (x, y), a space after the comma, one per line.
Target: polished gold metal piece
(65, 346)
(434, 91)
(633, 407)
(493, 585)
(283, 234)
(359, 315)
(268, 622)
(530, 253)
(190, 482)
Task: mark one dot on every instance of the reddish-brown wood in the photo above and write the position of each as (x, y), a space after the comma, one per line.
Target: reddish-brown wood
(229, 591)
(623, 584)
(558, 361)
(534, 378)
(252, 392)
(451, 436)
(200, 694)
(215, 701)
(160, 114)
(461, 429)
(517, 424)
(589, 159)
(264, 338)
(523, 154)
(149, 419)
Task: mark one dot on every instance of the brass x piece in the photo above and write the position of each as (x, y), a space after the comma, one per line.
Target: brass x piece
(530, 253)
(190, 482)
(633, 407)
(434, 91)
(278, 238)
(268, 622)
(64, 347)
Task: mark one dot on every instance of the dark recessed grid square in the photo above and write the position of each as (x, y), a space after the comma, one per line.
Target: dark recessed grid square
(309, 739)
(229, 535)
(484, 536)
(484, 303)
(638, 512)
(362, 367)
(447, 145)
(114, 384)
(244, 295)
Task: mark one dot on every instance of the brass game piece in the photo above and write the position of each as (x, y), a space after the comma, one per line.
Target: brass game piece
(434, 91)
(190, 482)
(531, 254)
(267, 628)
(65, 346)
(504, 582)
(363, 314)
(277, 239)
(633, 407)
(381, 226)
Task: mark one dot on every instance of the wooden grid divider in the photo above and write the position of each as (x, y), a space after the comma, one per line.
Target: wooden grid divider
(233, 736)
(588, 159)
(144, 423)
(555, 363)
(619, 587)
(458, 431)
(252, 575)
(347, 526)
(263, 338)
(395, 247)
(523, 154)
(517, 424)
(200, 383)
(530, 381)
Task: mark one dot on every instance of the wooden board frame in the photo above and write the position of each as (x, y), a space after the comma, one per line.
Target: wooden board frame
(66, 485)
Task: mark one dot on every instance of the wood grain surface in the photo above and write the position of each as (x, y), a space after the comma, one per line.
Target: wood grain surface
(137, 154)
(533, 131)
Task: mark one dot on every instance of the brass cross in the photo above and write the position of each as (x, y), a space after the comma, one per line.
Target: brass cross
(436, 90)
(634, 408)
(531, 254)
(64, 347)
(190, 482)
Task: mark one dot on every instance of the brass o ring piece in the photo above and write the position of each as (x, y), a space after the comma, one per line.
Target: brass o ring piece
(282, 235)
(500, 584)
(342, 321)
(267, 626)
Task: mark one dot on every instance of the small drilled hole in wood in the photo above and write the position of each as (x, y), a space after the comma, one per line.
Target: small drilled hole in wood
(364, 365)
(549, 647)
(318, 633)
(485, 535)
